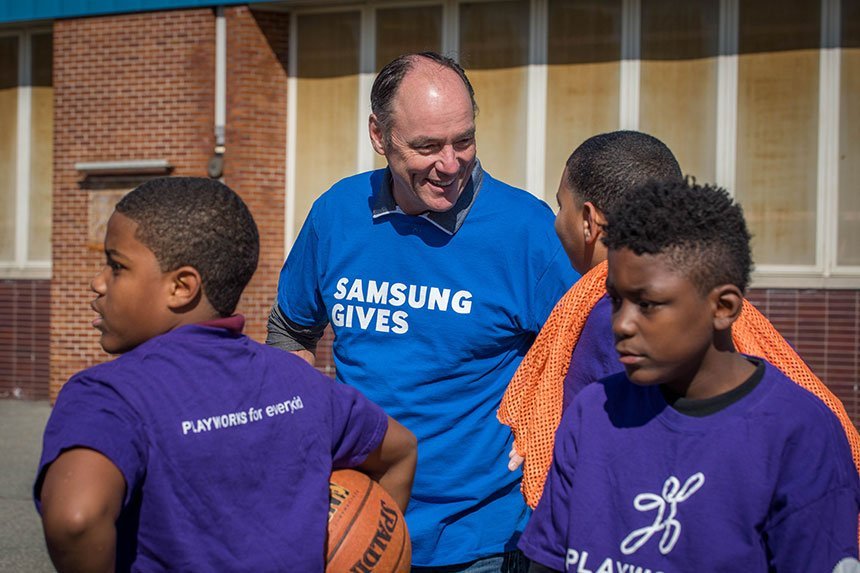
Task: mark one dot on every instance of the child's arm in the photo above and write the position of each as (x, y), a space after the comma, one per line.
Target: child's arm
(392, 464)
(81, 500)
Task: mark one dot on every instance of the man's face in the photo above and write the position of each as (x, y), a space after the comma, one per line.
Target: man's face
(132, 291)
(569, 226)
(431, 146)
(663, 325)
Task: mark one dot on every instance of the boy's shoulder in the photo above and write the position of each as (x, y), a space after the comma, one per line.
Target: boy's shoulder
(202, 349)
(790, 405)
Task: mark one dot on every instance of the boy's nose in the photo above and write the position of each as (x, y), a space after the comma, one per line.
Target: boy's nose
(622, 323)
(97, 284)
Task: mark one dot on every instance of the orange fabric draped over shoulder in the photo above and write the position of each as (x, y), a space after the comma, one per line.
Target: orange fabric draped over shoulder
(532, 403)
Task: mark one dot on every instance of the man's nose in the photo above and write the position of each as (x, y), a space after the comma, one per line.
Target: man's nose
(447, 160)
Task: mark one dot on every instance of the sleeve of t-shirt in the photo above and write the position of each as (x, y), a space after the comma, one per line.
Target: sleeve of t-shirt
(299, 296)
(544, 540)
(358, 426)
(595, 356)
(89, 413)
(814, 522)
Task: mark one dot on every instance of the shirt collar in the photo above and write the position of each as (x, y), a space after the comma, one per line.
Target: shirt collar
(448, 221)
(234, 323)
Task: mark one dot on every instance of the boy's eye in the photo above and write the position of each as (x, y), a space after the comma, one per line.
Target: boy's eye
(615, 301)
(114, 266)
(645, 305)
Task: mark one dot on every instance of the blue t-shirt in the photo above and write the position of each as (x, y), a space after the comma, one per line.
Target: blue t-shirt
(226, 446)
(767, 483)
(431, 326)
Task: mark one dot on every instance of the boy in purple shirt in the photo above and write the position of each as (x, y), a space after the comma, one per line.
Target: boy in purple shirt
(696, 457)
(198, 449)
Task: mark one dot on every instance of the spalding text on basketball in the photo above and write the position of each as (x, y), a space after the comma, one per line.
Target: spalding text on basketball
(385, 527)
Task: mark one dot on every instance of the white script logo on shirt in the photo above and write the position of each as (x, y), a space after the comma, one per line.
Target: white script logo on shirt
(666, 505)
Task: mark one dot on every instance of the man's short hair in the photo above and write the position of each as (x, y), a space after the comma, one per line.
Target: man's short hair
(607, 166)
(699, 227)
(390, 77)
(200, 223)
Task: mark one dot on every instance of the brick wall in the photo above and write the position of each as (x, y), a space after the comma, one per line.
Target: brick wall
(141, 86)
(256, 143)
(824, 327)
(24, 335)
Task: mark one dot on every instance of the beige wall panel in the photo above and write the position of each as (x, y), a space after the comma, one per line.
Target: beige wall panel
(848, 245)
(494, 39)
(777, 151)
(678, 105)
(583, 78)
(8, 157)
(582, 100)
(41, 173)
(8, 143)
(326, 138)
(327, 107)
(501, 125)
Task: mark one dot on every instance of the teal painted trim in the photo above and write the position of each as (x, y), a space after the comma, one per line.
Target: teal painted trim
(26, 10)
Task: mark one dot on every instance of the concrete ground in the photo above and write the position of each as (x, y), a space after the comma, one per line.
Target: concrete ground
(22, 546)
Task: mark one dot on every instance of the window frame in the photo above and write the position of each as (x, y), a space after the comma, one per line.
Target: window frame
(21, 266)
(825, 273)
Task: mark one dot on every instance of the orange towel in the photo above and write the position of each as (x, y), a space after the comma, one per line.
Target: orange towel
(532, 403)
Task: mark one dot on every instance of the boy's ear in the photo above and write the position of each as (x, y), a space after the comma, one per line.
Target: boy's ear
(593, 221)
(728, 302)
(186, 287)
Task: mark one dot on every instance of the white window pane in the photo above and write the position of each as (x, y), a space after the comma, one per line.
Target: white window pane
(848, 248)
(8, 143)
(777, 145)
(403, 31)
(41, 155)
(679, 80)
(583, 56)
(328, 66)
(494, 48)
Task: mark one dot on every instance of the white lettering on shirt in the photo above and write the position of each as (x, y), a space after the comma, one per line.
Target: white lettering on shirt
(363, 301)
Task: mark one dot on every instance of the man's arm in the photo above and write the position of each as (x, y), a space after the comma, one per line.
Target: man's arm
(392, 464)
(81, 500)
(287, 335)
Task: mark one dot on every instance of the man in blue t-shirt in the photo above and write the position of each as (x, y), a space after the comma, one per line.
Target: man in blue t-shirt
(198, 449)
(435, 278)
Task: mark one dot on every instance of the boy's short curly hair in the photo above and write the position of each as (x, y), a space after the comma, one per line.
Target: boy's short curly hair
(699, 227)
(607, 166)
(201, 223)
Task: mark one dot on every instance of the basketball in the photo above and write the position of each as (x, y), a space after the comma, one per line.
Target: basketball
(366, 530)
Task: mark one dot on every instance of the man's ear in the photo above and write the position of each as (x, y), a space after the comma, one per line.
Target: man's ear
(186, 287)
(377, 139)
(728, 302)
(592, 222)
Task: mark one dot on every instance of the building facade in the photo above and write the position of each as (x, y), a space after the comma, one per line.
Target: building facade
(760, 97)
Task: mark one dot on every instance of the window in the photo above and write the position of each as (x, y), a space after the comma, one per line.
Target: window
(762, 98)
(26, 152)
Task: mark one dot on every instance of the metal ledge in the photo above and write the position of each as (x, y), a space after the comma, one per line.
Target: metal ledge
(133, 167)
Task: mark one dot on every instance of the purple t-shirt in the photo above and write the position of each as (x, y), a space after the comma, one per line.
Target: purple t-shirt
(766, 483)
(594, 356)
(226, 446)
